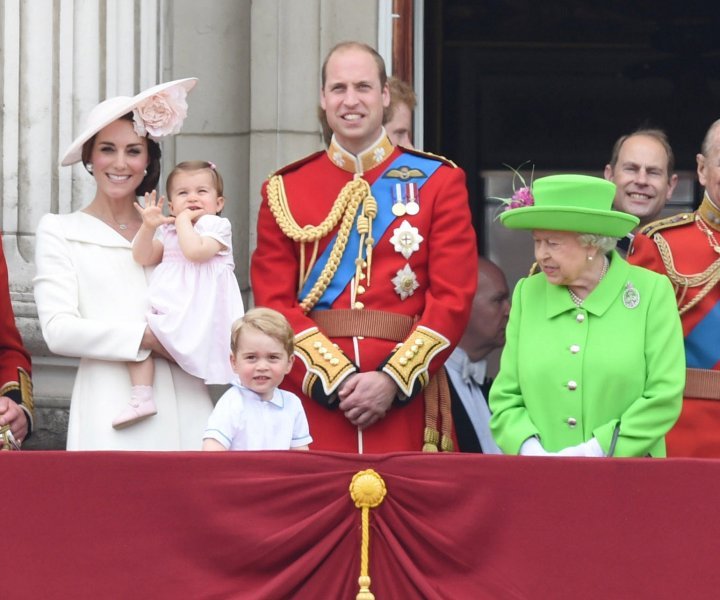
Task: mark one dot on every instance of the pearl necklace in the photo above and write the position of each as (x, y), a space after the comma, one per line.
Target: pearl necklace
(577, 299)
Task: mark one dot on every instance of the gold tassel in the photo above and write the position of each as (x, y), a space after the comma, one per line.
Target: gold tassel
(431, 435)
(367, 489)
(446, 443)
(431, 439)
(370, 209)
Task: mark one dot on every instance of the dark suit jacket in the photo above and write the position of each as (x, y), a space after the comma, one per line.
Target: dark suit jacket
(623, 245)
(464, 430)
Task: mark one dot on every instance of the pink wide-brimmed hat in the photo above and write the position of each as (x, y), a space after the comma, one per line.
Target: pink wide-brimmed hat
(159, 111)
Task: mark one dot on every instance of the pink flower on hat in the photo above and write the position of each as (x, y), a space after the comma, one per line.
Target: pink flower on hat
(161, 114)
(522, 196)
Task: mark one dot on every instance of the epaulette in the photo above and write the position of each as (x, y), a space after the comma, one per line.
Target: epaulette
(442, 159)
(297, 164)
(666, 223)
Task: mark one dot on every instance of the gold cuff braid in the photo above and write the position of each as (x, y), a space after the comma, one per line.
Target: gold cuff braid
(412, 359)
(24, 386)
(322, 359)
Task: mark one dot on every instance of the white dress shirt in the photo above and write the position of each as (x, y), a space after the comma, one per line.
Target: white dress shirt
(467, 379)
(243, 421)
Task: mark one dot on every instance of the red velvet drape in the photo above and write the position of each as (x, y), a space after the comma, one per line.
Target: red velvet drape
(270, 525)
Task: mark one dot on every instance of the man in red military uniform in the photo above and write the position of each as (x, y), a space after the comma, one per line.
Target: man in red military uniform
(686, 247)
(16, 400)
(369, 252)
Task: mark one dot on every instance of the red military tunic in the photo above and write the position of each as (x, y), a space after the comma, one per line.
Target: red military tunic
(682, 247)
(432, 282)
(15, 380)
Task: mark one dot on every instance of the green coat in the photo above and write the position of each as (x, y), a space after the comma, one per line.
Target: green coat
(569, 373)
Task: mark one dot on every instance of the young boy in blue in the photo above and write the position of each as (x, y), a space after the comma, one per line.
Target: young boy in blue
(254, 414)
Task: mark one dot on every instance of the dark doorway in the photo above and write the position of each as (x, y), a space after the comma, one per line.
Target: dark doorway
(555, 83)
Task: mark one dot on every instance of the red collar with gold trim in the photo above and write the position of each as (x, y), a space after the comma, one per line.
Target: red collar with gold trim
(710, 213)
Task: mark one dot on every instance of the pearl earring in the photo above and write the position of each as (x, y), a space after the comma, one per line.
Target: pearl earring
(89, 168)
(589, 257)
(145, 172)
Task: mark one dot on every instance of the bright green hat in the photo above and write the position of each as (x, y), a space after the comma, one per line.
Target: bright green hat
(572, 203)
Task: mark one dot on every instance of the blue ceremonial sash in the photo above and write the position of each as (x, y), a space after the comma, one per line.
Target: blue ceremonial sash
(702, 344)
(382, 192)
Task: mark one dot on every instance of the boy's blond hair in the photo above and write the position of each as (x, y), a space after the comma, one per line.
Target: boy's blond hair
(267, 321)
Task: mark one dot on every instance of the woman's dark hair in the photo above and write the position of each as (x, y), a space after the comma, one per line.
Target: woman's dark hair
(149, 183)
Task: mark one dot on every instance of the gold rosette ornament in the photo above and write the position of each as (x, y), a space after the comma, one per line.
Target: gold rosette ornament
(367, 489)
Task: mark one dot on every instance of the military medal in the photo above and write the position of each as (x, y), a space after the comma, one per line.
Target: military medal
(412, 207)
(406, 239)
(405, 282)
(398, 207)
(631, 297)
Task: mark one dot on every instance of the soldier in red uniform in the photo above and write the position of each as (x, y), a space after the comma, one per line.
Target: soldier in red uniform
(16, 400)
(369, 252)
(686, 247)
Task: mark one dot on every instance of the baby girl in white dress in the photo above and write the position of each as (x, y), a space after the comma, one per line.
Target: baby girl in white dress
(194, 294)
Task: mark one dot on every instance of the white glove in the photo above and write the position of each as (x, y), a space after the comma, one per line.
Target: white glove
(590, 449)
(533, 447)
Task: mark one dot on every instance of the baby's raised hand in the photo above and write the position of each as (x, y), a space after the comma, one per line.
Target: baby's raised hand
(151, 213)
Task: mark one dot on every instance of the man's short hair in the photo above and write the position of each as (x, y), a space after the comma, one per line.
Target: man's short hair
(656, 134)
(382, 74)
(401, 92)
(708, 139)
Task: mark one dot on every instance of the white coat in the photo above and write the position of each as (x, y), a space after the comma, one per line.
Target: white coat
(92, 299)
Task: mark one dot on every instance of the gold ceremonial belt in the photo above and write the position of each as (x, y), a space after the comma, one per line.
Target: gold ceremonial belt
(8, 439)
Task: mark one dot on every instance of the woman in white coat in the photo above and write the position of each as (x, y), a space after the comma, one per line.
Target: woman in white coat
(91, 295)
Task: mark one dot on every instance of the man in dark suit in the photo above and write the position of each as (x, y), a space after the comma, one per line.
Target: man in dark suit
(466, 366)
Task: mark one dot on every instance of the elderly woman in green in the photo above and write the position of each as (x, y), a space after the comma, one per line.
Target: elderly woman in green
(594, 360)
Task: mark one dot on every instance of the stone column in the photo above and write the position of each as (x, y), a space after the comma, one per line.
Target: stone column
(59, 59)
